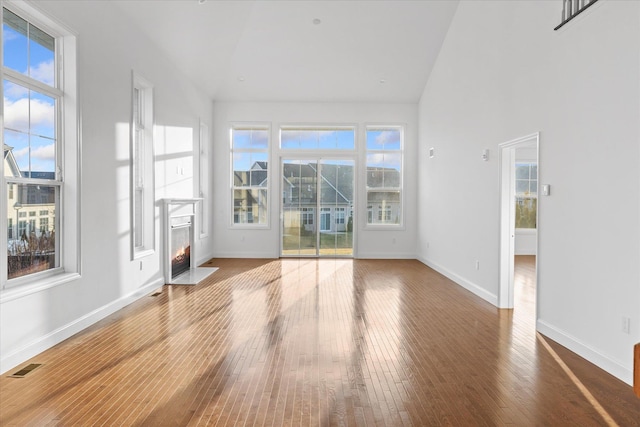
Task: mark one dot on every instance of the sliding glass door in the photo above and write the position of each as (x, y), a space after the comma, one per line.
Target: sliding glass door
(317, 207)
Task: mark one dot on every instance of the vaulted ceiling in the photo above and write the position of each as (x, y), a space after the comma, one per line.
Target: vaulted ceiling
(321, 51)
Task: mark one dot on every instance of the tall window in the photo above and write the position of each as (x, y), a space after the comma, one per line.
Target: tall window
(384, 175)
(203, 180)
(142, 186)
(250, 173)
(526, 194)
(39, 139)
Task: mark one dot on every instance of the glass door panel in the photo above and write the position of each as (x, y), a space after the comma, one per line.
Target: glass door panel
(336, 201)
(299, 203)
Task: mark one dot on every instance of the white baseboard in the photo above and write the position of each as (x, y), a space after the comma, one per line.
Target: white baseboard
(390, 255)
(47, 341)
(467, 284)
(614, 367)
(203, 259)
(245, 255)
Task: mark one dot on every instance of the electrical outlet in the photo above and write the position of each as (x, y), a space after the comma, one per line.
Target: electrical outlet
(626, 325)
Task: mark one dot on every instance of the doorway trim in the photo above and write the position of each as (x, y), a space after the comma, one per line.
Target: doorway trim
(507, 216)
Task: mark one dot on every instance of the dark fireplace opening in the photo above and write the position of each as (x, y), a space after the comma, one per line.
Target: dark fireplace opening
(180, 249)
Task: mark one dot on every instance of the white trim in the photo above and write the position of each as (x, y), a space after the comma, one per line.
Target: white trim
(36, 286)
(386, 255)
(246, 254)
(459, 280)
(612, 366)
(47, 341)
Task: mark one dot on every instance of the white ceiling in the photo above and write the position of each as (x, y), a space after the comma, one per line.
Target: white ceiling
(273, 51)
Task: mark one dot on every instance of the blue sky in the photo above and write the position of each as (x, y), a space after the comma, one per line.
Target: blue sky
(29, 115)
(383, 145)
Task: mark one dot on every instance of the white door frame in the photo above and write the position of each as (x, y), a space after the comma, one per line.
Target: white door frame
(507, 215)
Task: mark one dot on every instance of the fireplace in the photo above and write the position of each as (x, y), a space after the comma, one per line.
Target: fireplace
(180, 245)
(180, 254)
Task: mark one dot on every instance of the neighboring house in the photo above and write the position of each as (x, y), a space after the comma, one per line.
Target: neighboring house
(299, 198)
(383, 196)
(30, 208)
(256, 200)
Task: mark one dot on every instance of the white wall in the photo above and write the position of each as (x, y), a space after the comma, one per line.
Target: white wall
(265, 243)
(109, 48)
(504, 73)
(525, 241)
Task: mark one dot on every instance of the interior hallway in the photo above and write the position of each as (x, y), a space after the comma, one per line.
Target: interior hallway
(316, 342)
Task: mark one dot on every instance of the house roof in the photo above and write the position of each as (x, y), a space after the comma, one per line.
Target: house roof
(11, 162)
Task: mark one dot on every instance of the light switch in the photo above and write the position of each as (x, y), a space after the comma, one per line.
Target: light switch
(546, 189)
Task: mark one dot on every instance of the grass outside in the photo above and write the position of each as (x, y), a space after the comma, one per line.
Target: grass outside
(330, 244)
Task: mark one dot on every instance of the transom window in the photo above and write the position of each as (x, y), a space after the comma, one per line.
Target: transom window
(317, 138)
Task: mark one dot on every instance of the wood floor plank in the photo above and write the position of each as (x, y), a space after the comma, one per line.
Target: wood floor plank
(297, 342)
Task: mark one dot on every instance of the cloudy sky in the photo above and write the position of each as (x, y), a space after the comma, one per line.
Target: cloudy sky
(29, 116)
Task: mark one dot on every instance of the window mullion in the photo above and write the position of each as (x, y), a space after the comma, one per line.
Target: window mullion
(30, 83)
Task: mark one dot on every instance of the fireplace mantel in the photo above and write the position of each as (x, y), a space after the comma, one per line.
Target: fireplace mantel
(180, 214)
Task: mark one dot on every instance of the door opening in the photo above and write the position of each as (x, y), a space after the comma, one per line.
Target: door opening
(519, 224)
(317, 207)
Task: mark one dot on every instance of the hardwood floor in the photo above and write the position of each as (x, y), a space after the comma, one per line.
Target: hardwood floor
(317, 342)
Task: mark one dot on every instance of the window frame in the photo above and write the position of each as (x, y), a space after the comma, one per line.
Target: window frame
(258, 126)
(371, 211)
(67, 163)
(203, 180)
(145, 231)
